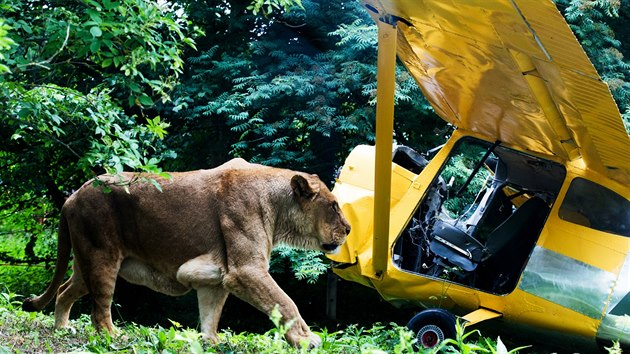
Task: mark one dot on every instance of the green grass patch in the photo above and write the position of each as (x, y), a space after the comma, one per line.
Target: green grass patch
(27, 332)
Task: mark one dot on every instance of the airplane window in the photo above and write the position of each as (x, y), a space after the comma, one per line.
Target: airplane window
(597, 207)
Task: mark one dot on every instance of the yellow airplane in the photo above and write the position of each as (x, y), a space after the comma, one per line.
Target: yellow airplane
(523, 216)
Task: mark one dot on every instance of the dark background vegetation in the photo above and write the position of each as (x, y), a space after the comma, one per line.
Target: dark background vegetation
(90, 86)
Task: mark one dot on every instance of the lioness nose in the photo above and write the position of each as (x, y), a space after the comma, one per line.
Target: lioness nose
(329, 246)
(348, 230)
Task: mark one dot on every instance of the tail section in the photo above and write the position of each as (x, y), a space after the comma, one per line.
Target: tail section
(64, 248)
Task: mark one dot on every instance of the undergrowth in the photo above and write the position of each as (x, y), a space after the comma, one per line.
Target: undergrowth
(32, 332)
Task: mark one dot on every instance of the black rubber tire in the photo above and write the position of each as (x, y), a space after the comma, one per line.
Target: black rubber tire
(432, 326)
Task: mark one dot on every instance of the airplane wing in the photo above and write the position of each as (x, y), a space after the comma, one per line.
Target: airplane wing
(511, 70)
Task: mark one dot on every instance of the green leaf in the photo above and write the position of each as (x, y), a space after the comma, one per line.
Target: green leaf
(155, 184)
(24, 112)
(94, 15)
(145, 100)
(196, 347)
(96, 31)
(109, 5)
(95, 46)
(25, 26)
(165, 175)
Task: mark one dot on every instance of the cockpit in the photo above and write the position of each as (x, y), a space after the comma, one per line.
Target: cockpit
(481, 217)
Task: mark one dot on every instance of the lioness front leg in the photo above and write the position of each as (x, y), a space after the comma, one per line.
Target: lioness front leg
(205, 275)
(258, 288)
(211, 300)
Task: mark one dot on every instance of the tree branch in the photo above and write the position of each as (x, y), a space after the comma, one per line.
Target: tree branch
(43, 63)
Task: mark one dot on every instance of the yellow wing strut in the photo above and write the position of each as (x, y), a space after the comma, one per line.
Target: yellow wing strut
(385, 81)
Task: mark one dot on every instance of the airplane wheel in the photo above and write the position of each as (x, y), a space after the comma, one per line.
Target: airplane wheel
(432, 326)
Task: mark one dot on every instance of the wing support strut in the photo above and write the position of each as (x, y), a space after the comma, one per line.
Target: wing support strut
(385, 81)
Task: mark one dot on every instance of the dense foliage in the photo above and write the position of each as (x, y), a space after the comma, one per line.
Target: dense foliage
(602, 29)
(93, 86)
(28, 332)
(296, 91)
(78, 81)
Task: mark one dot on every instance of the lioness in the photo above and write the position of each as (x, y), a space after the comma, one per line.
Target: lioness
(209, 230)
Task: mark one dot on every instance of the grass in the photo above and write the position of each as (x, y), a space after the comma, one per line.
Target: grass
(32, 332)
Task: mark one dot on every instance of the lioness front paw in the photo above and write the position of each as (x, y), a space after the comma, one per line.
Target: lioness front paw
(314, 341)
(211, 338)
(311, 339)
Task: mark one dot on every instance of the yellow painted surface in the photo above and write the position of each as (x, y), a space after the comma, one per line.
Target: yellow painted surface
(528, 309)
(512, 71)
(354, 190)
(480, 315)
(384, 126)
(600, 249)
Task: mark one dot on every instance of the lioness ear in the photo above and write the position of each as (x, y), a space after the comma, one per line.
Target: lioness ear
(303, 187)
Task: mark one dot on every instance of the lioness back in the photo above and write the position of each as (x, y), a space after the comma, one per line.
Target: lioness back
(165, 228)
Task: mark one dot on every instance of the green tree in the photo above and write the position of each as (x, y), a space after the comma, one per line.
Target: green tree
(78, 84)
(298, 91)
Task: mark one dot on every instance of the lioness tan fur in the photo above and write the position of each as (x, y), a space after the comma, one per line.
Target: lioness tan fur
(209, 230)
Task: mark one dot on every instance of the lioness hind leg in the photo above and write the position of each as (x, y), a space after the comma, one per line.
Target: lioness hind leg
(68, 293)
(102, 290)
(211, 300)
(100, 274)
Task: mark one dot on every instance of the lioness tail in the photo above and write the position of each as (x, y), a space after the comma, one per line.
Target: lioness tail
(63, 258)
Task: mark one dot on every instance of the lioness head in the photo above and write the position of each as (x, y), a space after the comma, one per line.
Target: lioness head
(322, 221)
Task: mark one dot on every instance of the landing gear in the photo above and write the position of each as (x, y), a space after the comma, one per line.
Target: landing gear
(432, 326)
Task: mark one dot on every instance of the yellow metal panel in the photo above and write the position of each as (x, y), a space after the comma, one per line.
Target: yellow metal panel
(384, 127)
(528, 309)
(600, 249)
(480, 315)
(512, 71)
(400, 287)
(355, 202)
(353, 273)
(596, 248)
(354, 190)
(358, 169)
